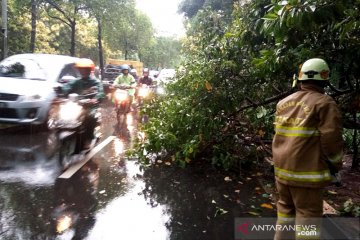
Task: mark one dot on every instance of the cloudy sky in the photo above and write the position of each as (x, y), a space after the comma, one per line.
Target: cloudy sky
(164, 16)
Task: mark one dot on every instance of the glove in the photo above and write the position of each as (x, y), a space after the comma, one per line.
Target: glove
(58, 90)
(336, 179)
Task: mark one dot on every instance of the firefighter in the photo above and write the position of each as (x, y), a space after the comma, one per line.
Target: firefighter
(307, 144)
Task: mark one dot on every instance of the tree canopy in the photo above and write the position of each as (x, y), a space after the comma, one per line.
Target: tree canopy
(81, 28)
(237, 66)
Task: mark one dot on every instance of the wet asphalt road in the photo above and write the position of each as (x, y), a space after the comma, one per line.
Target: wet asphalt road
(111, 197)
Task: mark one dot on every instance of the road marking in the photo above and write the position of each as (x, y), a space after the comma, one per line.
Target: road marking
(73, 169)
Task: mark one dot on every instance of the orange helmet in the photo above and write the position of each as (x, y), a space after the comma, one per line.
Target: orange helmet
(85, 63)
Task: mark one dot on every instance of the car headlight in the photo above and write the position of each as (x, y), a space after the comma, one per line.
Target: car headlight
(31, 98)
(70, 111)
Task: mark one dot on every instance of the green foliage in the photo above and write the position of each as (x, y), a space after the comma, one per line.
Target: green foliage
(191, 7)
(162, 52)
(233, 63)
(351, 208)
(19, 28)
(127, 32)
(194, 116)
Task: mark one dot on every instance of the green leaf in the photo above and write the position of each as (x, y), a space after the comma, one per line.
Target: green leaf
(270, 17)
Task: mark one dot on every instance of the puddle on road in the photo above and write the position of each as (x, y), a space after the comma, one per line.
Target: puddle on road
(29, 159)
(128, 215)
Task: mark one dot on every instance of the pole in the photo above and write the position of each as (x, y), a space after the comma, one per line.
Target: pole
(4, 27)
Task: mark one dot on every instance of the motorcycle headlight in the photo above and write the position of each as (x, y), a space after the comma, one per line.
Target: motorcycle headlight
(143, 92)
(63, 224)
(70, 111)
(121, 95)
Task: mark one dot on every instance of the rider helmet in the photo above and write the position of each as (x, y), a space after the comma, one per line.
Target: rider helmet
(85, 63)
(125, 67)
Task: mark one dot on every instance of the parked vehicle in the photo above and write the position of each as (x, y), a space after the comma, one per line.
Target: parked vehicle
(67, 118)
(27, 84)
(111, 72)
(133, 64)
(154, 73)
(166, 75)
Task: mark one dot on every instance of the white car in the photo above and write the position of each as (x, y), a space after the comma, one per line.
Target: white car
(27, 84)
(166, 75)
(154, 74)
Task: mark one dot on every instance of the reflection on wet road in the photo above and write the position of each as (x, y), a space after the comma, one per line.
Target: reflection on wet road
(109, 198)
(24, 156)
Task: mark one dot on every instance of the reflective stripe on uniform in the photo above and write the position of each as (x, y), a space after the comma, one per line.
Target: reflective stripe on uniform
(303, 176)
(285, 218)
(337, 158)
(296, 131)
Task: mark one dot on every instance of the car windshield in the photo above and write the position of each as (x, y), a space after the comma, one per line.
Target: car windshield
(21, 68)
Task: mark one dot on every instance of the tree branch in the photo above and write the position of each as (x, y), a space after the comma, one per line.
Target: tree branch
(57, 18)
(57, 7)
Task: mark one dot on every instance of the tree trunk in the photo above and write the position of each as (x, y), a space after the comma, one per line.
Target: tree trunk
(73, 43)
(33, 25)
(355, 160)
(101, 53)
(126, 50)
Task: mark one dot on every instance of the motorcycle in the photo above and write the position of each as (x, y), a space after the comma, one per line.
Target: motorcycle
(67, 118)
(122, 101)
(144, 92)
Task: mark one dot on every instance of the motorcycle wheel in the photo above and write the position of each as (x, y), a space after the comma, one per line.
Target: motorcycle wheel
(140, 102)
(121, 119)
(66, 151)
(121, 114)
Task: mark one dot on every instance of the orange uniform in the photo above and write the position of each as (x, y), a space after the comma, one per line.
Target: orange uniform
(308, 134)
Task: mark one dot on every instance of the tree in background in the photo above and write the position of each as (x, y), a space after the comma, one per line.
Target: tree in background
(191, 7)
(95, 28)
(163, 52)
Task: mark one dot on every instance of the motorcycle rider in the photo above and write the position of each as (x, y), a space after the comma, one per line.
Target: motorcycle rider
(146, 79)
(133, 73)
(84, 85)
(126, 79)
